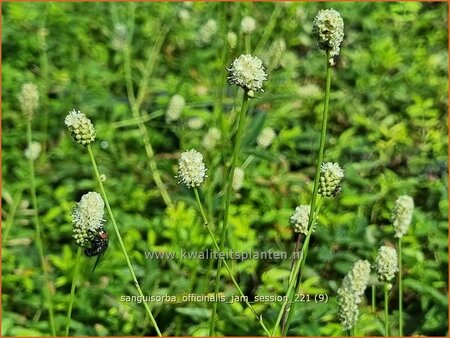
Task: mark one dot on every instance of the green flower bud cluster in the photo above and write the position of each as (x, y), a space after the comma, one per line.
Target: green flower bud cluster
(80, 127)
(331, 175)
(300, 219)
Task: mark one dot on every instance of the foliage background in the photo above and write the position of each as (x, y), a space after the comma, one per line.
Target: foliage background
(387, 128)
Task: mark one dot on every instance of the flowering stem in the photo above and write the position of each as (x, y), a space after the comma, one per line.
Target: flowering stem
(386, 312)
(119, 238)
(316, 184)
(289, 310)
(72, 290)
(241, 293)
(400, 288)
(38, 234)
(289, 297)
(237, 145)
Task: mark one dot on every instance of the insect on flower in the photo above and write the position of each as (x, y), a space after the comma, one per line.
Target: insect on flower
(98, 245)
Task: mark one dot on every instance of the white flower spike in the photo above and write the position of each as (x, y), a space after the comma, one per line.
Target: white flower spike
(191, 169)
(248, 72)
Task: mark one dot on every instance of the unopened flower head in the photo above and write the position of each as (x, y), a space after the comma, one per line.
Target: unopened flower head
(300, 218)
(175, 108)
(386, 263)
(80, 127)
(119, 40)
(331, 175)
(265, 138)
(248, 72)
(248, 25)
(87, 218)
(232, 39)
(207, 31)
(275, 53)
(402, 215)
(328, 28)
(191, 169)
(195, 123)
(358, 278)
(348, 307)
(238, 178)
(29, 99)
(184, 15)
(211, 138)
(32, 152)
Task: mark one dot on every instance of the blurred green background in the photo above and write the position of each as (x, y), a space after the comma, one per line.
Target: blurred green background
(387, 128)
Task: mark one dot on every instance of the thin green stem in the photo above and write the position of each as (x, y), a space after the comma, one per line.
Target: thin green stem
(12, 214)
(241, 293)
(44, 67)
(316, 179)
(386, 311)
(287, 309)
(289, 299)
(373, 298)
(72, 290)
(39, 244)
(248, 47)
(119, 238)
(269, 28)
(135, 104)
(248, 161)
(241, 122)
(400, 288)
(304, 253)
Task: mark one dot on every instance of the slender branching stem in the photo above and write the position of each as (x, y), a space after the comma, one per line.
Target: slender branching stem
(12, 214)
(119, 238)
(290, 308)
(72, 290)
(136, 102)
(400, 288)
(269, 27)
(216, 245)
(237, 145)
(40, 247)
(314, 197)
